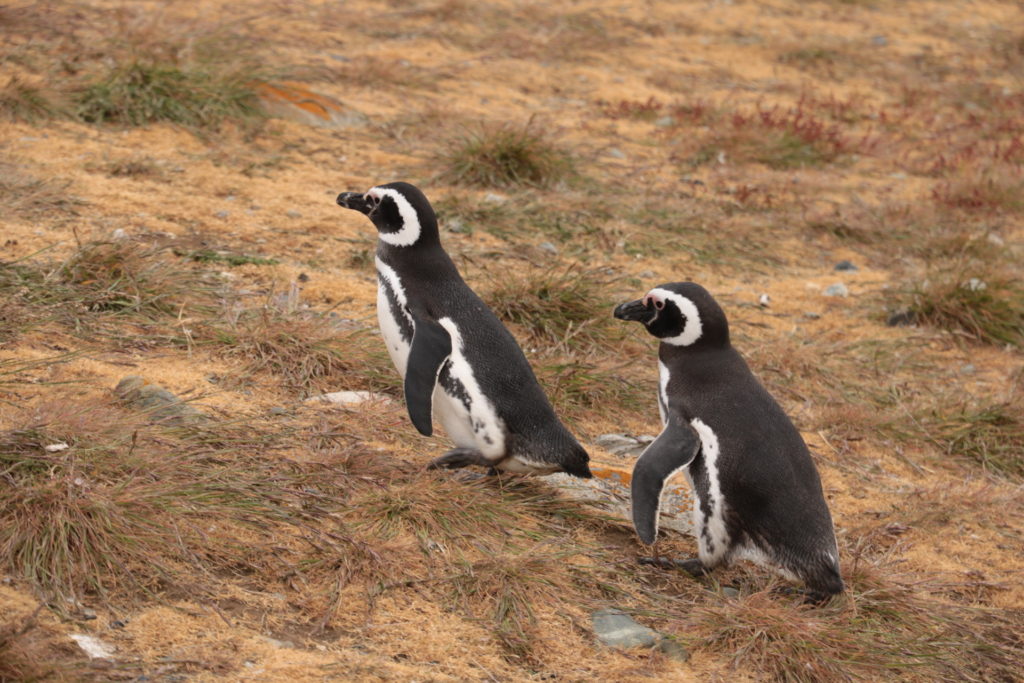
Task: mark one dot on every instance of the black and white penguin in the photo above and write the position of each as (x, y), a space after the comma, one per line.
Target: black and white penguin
(459, 363)
(757, 493)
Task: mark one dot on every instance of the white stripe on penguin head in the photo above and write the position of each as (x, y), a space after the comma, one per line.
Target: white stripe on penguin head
(692, 329)
(410, 231)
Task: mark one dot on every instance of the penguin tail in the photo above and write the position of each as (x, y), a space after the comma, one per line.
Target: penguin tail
(578, 463)
(825, 578)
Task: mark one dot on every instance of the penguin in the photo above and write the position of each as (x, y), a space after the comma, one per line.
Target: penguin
(459, 364)
(757, 493)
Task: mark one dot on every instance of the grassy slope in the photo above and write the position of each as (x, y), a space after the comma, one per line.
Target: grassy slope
(748, 146)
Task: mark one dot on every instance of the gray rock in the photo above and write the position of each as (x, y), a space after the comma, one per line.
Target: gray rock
(618, 444)
(222, 214)
(162, 405)
(456, 225)
(838, 289)
(292, 213)
(615, 628)
(495, 198)
(879, 41)
(846, 266)
(811, 315)
(616, 153)
(665, 122)
(548, 247)
(671, 648)
(730, 592)
(277, 410)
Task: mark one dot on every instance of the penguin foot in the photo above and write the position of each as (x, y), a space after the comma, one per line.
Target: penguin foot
(458, 458)
(692, 566)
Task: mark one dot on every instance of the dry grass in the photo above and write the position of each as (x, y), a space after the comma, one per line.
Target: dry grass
(974, 299)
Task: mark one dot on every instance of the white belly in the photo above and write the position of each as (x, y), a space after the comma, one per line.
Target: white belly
(478, 426)
(712, 550)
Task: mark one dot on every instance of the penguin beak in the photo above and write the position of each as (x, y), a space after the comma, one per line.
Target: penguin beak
(355, 201)
(636, 311)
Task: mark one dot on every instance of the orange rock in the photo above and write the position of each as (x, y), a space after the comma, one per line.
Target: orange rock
(294, 101)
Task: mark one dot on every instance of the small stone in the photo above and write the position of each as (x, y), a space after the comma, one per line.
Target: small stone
(671, 648)
(94, 647)
(161, 404)
(645, 275)
(277, 643)
(811, 315)
(975, 285)
(456, 225)
(119, 234)
(348, 397)
(292, 213)
(88, 614)
(879, 41)
(615, 628)
(665, 122)
(118, 623)
(548, 247)
(56, 447)
(277, 410)
(968, 369)
(495, 198)
(616, 153)
(845, 266)
(764, 301)
(222, 214)
(995, 239)
(730, 592)
(838, 289)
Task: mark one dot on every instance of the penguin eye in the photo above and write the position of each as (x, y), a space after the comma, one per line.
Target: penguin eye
(659, 304)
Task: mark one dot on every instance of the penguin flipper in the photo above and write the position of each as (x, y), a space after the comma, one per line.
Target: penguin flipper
(675, 448)
(431, 347)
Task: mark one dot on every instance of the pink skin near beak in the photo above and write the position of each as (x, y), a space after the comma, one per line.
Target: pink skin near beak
(658, 303)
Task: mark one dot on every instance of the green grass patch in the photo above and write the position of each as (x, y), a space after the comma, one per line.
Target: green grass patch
(212, 256)
(197, 96)
(505, 156)
(567, 308)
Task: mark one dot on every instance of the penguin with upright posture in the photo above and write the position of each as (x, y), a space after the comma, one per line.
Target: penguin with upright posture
(757, 493)
(459, 363)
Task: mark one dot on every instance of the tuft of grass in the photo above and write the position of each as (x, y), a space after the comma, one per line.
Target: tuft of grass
(196, 96)
(880, 628)
(122, 277)
(565, 308)
(990, 434)
(94, 501)
(23, 101)
(998, 188)
(576, 387)
(503, 588)
(505, 156)
(988, 308)
(302, 348)
(31, 198)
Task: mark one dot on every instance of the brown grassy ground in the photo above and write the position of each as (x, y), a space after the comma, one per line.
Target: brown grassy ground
(747, 146)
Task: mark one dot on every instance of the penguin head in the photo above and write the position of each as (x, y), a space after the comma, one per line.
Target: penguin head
(400, 211)
(680, 314)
